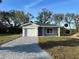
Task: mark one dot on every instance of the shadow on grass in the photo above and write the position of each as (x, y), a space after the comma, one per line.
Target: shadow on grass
(23, 48)
(51, 44)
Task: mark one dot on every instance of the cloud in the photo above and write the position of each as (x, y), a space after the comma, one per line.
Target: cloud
(33, 4)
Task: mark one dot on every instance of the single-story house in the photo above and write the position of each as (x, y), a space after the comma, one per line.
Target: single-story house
(31, 29)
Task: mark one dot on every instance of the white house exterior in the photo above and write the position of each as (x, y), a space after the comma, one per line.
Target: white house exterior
(33, 30)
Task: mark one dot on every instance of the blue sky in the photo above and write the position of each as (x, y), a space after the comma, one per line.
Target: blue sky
(35, 6)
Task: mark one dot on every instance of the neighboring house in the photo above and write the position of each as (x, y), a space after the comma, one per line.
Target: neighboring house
(31, 29)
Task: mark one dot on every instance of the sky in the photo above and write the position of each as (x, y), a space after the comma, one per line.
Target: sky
(35, 6)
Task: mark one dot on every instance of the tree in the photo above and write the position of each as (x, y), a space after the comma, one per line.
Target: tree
(77, 22)
(4, 21)
(69, 19)
(44, 17)
(58, 18)
(4, 18)
(13, 19)
(19, 17)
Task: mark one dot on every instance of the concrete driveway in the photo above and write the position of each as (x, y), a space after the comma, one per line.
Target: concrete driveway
(23, 48)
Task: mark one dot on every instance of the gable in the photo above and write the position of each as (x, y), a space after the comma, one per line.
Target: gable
(31, 26)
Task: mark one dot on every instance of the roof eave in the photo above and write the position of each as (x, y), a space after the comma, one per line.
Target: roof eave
(49, 26)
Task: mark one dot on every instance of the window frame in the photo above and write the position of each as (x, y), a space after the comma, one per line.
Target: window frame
(50, 32)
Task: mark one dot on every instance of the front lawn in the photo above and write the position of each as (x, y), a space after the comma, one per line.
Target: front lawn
(64, 47)
(4, 38)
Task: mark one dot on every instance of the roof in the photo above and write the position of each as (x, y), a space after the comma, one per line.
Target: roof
(26, 24)
(41, 25)
(48, 25)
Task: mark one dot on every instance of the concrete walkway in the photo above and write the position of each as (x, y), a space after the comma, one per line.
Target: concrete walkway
(23, 48)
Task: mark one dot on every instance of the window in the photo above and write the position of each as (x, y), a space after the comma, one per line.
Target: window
(49, 30)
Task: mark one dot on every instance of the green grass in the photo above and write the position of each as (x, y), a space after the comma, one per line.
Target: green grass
(4, 38)
(64, 47)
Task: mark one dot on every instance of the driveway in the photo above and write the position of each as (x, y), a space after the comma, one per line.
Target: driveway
(23, 48)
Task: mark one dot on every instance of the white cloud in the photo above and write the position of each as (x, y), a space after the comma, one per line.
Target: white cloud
(33, 4)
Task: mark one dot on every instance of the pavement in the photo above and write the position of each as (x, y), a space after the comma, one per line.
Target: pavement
(23, 48)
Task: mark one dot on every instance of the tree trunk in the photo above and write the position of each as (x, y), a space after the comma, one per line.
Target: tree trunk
(77, 26)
